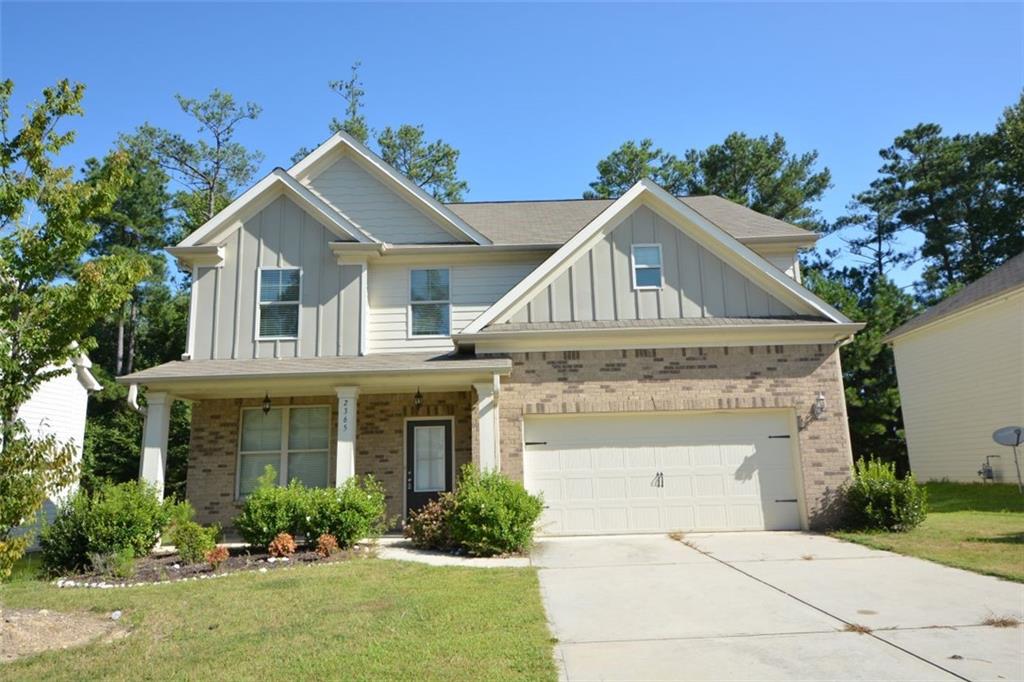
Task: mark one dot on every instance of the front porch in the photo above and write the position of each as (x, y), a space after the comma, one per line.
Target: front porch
(411, 426)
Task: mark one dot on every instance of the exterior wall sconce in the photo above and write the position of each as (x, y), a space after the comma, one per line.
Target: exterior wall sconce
(818, 408)
(417, 400)
(266, 404)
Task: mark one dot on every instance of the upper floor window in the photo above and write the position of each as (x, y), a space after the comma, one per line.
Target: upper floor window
(429, 303)
(279, 303)
(294, 441)
(647, 266)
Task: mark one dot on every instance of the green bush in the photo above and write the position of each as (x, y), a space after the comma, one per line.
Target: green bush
(119, 564)
(430, 527)
(350, 513)
(270, 510)
(191, 539)
(111, 519)
(493, 514)
(876, 499)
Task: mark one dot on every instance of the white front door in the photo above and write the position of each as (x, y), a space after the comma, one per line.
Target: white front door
(640, 473)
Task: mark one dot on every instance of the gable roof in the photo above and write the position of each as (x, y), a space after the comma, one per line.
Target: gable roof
(341, 142)
(1004, 279)
(278, 178)
(646, 191)
(555, 221)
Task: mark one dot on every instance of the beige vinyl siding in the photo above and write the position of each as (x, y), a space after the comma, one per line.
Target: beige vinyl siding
(374, 207)
(961, 379)
(474, 288)
(280, 235)
(599, 284)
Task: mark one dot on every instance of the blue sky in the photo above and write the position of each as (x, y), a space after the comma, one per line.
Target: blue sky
(534, 95)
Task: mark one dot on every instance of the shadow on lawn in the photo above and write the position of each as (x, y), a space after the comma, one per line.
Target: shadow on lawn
(1006, 539)
(944, 497)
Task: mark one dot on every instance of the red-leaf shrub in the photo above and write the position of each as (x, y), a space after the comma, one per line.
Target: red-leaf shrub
(326, 545)
(216, 556)
(282, 545)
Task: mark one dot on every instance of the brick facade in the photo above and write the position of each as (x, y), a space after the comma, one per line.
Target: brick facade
(380, 439)
(689, 379)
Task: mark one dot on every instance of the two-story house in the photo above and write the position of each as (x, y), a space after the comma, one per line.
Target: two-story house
(650, 363)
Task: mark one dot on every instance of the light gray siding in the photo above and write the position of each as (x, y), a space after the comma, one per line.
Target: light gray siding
(280, 235)
(374, 207)
(599, 285)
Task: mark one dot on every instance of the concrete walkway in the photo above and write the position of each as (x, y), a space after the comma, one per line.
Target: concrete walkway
(770, 606)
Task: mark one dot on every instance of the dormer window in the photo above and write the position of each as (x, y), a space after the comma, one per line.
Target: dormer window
(429, 302)
(646, 266)
(279, 303)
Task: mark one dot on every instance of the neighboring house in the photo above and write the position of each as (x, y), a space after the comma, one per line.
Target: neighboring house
(648, 363)
(58, 407)
(960, 366)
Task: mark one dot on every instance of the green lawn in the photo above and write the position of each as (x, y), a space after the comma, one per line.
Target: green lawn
(975, 526)
(363, 619)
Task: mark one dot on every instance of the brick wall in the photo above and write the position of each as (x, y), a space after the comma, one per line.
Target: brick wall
(689, 379)
(379, 444)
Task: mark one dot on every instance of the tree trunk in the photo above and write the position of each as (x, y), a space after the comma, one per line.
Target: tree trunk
(119, 358)
(133, 318)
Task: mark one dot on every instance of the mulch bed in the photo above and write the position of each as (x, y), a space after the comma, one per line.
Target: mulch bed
(169, 567)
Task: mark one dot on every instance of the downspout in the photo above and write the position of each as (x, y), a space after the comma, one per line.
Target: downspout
(133, 399)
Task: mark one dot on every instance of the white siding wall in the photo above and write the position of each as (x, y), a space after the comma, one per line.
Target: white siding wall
(473, 289)
(960, 380)
(377, 209)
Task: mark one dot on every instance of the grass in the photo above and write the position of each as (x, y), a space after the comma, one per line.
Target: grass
(364, 619)
(975, 526)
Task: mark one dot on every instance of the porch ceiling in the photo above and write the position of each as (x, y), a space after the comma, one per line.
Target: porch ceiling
(381, 373)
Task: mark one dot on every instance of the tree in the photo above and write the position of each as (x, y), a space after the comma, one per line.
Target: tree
(136, 225)
(632, 162)
(874, 213)
(49, 295)
(211, 168)
(758, 172)
(869, 369)
(431, 165)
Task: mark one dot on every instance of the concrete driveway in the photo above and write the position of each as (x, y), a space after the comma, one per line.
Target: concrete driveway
(770, 606)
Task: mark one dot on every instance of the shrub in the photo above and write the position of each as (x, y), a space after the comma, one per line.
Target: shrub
(493, 514)
(350, 513)
(216, 556)
(430, 526)
(271, 510)
(326, 545)
(113, 518)
(120, 564)
(193, 541)
(876, 499)
(282, 545)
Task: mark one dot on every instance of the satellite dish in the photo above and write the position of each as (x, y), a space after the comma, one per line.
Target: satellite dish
(1010, 436)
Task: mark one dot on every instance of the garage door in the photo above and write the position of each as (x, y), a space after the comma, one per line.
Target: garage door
(662, 472)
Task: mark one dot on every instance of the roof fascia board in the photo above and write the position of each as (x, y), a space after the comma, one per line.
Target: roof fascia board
(277, 179)
(306, 168)
(646, 191)
(629, 338)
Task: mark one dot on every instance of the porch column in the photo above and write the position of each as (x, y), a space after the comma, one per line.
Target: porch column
(153, 461)
(345, 448)
(487, 416)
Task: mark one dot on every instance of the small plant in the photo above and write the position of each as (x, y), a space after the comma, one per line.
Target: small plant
(192, 540)
(429, 527)
(350, 513)
(119, 564)
(493, 514)
(859, 629)
(216, 556)
(326, 545)
(1001, 622)
(876, 499)
(283, 545)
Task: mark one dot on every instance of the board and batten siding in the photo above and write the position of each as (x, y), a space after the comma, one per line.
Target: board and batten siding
(374, 207)
(280, 235)
(599, 284)
(474, 288)
(961, 379)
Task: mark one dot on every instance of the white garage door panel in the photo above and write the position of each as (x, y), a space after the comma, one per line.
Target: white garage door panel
(598, 473)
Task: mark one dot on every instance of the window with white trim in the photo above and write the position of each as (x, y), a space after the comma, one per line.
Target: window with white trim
(646, 266)
(279, 303)
(294, 441)
(430, 308)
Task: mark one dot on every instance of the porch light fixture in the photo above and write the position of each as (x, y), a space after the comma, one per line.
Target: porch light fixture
(266, 404)
(417, 400)
(818, 408)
